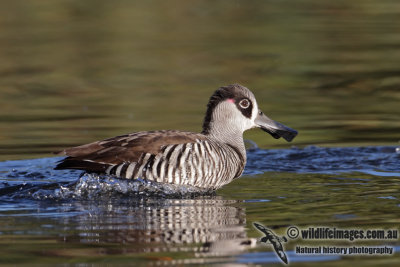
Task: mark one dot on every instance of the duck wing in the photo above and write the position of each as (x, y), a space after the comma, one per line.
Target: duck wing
(100, 155)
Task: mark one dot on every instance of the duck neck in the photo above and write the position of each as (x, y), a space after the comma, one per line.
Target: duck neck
(222, 124)
(227, 135)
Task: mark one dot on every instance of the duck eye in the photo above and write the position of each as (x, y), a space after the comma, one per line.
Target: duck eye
(244, 103)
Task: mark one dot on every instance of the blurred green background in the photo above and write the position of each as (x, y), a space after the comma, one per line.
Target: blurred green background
(72, 72)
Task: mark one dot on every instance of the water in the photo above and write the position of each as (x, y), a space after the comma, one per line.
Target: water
(87, 218)
(72, 72)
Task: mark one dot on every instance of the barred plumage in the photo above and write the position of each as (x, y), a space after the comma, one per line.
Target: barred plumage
(209, 159)
(179, 164)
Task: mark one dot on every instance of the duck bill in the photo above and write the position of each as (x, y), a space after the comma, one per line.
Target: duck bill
(274, 128)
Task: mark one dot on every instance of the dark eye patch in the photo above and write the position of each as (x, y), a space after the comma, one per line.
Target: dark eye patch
(245, 106)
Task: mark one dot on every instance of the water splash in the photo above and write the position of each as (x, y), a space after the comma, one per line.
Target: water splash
(93, 186)
(36, 178)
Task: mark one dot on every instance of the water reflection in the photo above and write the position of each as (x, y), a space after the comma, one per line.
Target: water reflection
(205, 225)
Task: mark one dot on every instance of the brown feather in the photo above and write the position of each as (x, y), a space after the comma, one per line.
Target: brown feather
(124, 148)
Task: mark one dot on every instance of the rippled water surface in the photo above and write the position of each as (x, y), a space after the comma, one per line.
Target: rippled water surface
(72, 72)
(103, 219)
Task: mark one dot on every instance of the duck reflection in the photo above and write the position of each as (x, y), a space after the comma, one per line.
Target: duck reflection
(205, 225)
